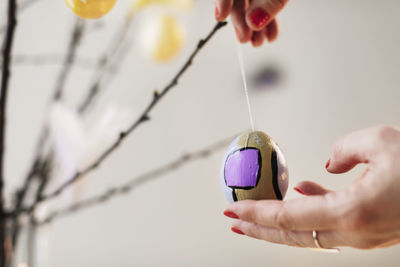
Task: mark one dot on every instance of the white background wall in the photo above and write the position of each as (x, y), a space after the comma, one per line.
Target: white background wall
(341, 72)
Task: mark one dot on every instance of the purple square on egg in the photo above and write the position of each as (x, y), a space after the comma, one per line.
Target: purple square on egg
(242, 168)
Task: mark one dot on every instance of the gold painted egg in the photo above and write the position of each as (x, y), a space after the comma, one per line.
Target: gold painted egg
(90, 9)
(254, 168)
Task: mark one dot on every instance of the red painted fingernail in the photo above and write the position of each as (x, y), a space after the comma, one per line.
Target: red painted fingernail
(259, 18)
(230, 214)
(253, 38)
(216, 12)
(235, 230)
(327, 164)
(298, 190)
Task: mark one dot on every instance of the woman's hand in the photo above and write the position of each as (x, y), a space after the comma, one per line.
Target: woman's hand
(365, 215)
(254, 20)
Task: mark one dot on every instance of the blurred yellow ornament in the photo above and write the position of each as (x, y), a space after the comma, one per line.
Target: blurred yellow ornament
(183, 4)
(162, 38)
(91, 9)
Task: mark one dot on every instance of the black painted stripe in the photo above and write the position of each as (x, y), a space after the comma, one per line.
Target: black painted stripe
(234, 197)
(274, 167)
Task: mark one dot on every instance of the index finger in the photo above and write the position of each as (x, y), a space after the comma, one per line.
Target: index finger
(222, 9)
(302, 214)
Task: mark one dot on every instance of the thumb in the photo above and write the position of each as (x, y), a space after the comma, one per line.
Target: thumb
(262, 12)
(352, 149)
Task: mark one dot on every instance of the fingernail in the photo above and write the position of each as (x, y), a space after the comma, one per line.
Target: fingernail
(216, 12)
(235, 230)
(259, 18)
(298, 190)
(253, 38)
(327, 164)
(230, 214)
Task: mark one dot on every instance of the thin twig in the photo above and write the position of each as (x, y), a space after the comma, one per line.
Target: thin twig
(44, 161)
(38, 160)
(51, 59)
(103, 66)
(41, 162)
(143, 117)
(138, 181)
(69, 59)
(105, 62)
(5, 79)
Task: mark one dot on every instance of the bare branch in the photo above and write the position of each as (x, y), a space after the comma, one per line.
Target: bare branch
(51, 59)
(4, 86)
(138, 181)
(69, 59)
(109, 56)
(41, 162)
(144, 117)
(105, 63)
(21, 7)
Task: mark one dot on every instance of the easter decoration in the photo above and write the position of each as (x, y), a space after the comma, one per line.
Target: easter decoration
(253, 166)
(162, 38)
(162, 35)
(90, 9)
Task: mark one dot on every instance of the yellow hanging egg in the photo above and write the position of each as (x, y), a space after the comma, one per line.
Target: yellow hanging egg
(90, 9)
(162, 38)
(183, 4)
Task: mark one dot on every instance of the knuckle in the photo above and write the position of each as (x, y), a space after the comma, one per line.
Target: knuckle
(386, 134)
(357, 219)
(279, 4)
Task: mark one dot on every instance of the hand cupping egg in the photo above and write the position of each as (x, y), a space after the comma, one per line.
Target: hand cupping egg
(254, 168)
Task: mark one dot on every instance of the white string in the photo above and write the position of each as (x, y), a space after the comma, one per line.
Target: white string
(241, 64)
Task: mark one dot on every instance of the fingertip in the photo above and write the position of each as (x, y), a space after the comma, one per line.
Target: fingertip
(257, 39)
(257, 18)
(222, 9)
(336, 167)
(309, 188)
(243, 32)
(272, 31)
(230, 214)
(243, 35)
(327, 164)
(298, 190)
(237, 230)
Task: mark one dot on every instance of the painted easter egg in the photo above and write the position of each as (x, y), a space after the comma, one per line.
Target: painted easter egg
(90, 9)
(162, 38)
(254, 168)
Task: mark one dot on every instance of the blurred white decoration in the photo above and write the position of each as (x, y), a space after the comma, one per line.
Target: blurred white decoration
(75, 146)
(162, 37)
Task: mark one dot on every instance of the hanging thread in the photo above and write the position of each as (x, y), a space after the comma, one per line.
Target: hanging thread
(243, 73)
